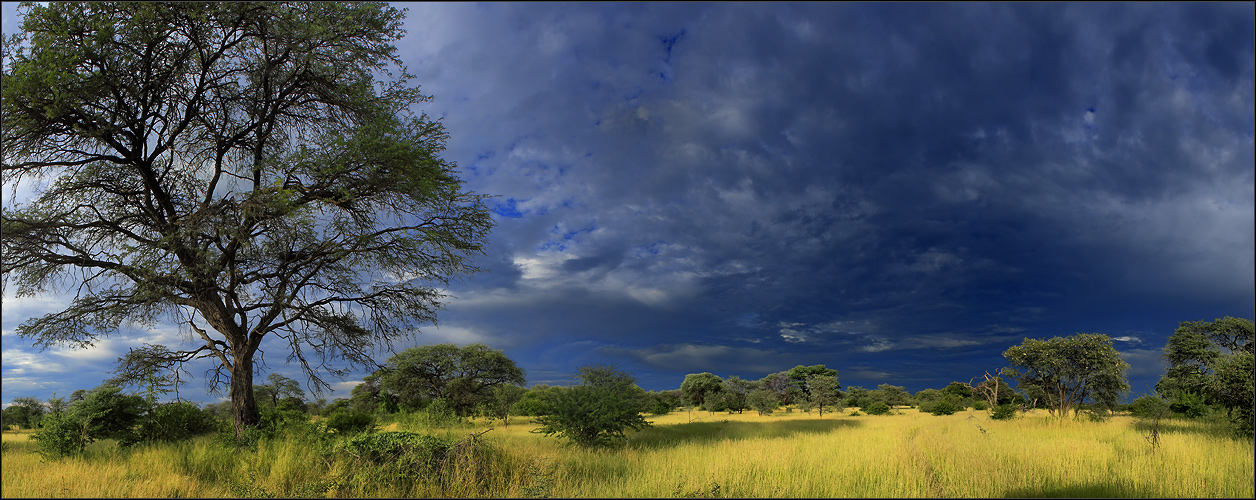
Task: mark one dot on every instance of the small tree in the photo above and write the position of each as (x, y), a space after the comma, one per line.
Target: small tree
(597, 410)
(823, 389)
(697, 388)
(763, 401)
(782, 385)
(735, 393)
(503, 401)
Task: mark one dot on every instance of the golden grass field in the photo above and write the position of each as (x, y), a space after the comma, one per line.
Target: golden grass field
(911, 454)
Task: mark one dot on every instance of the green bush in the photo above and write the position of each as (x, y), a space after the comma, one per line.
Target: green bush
(176, 422)
(110, 414)
(855, 413)
(62, 435)
(878, 408)
(1190, 405)
(596, 412)
(980, 405)
(346, 422)
(944, 407)
(1148, 407)
(1005, 411)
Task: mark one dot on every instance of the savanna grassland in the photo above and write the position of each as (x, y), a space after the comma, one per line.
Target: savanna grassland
(698, 454)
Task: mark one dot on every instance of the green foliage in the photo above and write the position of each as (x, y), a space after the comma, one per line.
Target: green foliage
(891, 395)
(1005, 411)
(926, 398)
(800, 373)
(404, 461)
(1149, 407)
(465, 376)
(347, 422)
(1071, 370)
(697, 388)
(62, 435)
(24, 412)
(823, 390)
(1189, 405)
(878, 408)
(111, 414)
(1232, 387)
(780, 383)
(533, 402)
(980, 405)
(1211, 363)
(763, 401)
(274, 151)
(662, 403)
(597, 411)
(440, 413)
(175, 422)
(858, 396)
(735, 392)
(947, 406)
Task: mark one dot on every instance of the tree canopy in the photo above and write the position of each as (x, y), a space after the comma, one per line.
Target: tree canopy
(244, 170)
(1070, 370)
(465, 376)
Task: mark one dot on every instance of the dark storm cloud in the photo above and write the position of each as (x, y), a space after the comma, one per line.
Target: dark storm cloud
(899, 191)
(956, 175)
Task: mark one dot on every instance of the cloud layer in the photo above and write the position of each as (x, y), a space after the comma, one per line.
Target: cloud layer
(899, 191)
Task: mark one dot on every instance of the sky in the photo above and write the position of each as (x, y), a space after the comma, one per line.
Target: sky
(897, 191)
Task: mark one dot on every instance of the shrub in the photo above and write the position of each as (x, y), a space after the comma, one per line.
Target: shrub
(440, 413)
(944, 407)
(878, 408)
(1148, 407)
(596, 412)
(346, 422)
(855, 413)
(980, 405)
(1190, 405)
(62, 435)
(176, 422)
(109, 413)
(1004, 411)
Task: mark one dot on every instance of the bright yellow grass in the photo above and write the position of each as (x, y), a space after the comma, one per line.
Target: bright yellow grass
(783, 455)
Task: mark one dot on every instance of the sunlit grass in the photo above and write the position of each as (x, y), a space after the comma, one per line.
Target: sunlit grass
(911, 454)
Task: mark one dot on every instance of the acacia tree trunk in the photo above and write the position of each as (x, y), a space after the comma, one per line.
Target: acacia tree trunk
(243, 405)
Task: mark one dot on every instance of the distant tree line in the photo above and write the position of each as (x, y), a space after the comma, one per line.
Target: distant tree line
(1210, 375)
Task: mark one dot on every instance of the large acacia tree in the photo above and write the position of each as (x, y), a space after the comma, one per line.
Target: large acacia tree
(1070, 370)
(466, 376)
(245, 170)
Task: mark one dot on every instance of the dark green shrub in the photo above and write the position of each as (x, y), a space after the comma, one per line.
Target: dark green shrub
(596, 412)
(980, 405)
(1189, 405)
(878, 408)
(176, 422)
(62, 435)
(1005, 411)
(944, 407)
(347, 422)
(1148, 407)
(110, 414)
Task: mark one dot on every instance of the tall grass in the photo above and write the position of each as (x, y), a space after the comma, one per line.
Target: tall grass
(911, 454)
